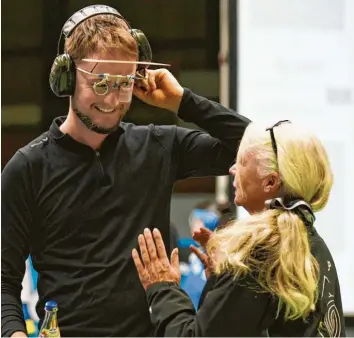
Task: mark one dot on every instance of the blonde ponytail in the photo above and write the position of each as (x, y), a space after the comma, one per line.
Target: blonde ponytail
(274, 247)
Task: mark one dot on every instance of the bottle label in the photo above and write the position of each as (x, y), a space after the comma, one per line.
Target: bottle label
(54, 333)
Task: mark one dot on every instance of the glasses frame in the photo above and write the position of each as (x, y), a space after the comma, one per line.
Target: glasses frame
(105, 77)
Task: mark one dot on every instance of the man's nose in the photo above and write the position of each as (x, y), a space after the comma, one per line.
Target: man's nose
(112, 98)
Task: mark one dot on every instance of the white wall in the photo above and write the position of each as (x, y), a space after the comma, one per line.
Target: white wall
(296, 61)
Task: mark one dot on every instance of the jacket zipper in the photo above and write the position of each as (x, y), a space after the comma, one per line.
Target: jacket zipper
(99, 165)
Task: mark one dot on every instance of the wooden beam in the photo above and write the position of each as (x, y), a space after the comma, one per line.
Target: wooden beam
(195, 185)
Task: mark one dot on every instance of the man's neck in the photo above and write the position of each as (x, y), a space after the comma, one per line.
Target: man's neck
(79, 132)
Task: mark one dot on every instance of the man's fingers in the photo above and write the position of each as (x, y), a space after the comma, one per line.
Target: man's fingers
(202, 256)
(143, 86)
(159, 75)
(151, 80)
(175, 259)
(138, 92)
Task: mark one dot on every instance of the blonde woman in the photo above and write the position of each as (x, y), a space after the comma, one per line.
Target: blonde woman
(271, 273)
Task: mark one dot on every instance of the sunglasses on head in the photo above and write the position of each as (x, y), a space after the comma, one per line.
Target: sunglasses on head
(274, 144)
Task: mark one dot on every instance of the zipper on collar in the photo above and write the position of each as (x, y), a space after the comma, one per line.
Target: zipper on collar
(99, 166)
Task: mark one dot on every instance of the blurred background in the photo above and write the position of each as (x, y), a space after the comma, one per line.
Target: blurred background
(267, 59)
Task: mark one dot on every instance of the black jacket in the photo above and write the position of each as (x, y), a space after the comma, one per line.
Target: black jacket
(78, 212)
(230, 308)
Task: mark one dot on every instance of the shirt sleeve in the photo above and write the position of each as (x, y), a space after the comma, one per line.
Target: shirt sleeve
(230, 309)
(16, 218)
(212, 150)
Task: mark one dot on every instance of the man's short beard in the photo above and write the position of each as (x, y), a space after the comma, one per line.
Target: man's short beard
(86, 120)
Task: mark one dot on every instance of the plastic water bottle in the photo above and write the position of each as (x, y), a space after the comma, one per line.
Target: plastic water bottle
(50, 326)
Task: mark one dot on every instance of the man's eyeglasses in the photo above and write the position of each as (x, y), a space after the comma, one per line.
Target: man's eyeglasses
(124, 83)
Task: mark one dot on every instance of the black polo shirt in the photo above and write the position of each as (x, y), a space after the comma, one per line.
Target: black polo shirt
(79, 211)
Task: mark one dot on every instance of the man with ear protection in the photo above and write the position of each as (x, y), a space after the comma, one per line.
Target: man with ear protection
(77, 197)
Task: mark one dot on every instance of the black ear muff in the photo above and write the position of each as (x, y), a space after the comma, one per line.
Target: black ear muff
(145, 53)
(62, 76)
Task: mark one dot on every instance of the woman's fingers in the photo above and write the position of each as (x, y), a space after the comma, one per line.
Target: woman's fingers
(137, 262)
(175, 259)
(202, 236)
(151, 248)
(143, 250)
(153, 264)
(161, 250)
(202, 256)
(206, 231)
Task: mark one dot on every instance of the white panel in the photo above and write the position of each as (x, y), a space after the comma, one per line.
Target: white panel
(296, 61)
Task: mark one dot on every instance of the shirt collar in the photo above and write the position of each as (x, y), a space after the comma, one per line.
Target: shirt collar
(70, 143)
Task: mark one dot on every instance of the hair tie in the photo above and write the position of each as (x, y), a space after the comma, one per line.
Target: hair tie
(295, 205)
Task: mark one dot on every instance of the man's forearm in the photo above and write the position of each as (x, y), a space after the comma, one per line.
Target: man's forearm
(219, 121)
(11, 315)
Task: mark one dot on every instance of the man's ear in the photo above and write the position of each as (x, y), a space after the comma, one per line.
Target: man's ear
(271, 183)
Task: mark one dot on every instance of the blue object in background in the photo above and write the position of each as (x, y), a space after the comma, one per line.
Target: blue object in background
(29, 298)
(209, 218)
(185, 243)
(192, 273)
(193, 279)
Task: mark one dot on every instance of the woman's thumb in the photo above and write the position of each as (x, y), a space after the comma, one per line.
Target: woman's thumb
(203, 257)
(175, 259)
